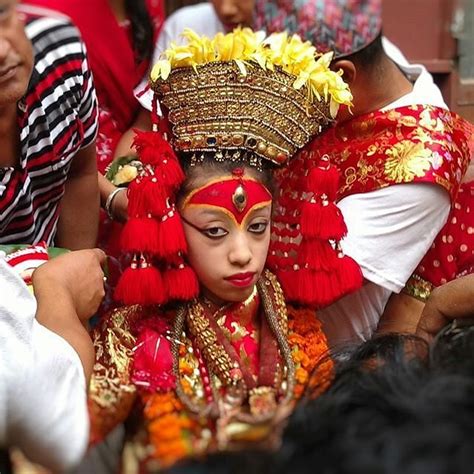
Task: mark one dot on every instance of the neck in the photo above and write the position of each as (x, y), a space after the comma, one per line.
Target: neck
(215, 304)
(377, 90)
(9, 136)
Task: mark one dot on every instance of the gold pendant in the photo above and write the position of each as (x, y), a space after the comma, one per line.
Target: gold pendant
(262, 401)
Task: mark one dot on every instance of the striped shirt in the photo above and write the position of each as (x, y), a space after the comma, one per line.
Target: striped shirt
(57, 117)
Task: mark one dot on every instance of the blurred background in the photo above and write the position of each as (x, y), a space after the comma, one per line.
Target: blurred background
(436, 33)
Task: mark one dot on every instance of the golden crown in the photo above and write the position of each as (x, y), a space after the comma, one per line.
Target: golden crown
(244, 91)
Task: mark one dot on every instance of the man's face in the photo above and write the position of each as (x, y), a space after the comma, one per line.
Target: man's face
(233, 13)
(16, 54)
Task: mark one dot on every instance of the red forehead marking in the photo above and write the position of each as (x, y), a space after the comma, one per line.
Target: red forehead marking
(219, 194)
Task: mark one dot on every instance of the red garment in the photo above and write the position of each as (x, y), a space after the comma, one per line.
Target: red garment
(418, 143)
(112, 61)
(452, 253)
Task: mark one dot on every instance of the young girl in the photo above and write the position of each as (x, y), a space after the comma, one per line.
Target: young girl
(212, 357)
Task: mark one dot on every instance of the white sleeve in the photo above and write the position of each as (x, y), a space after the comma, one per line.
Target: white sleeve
(44, 405)
(391, 229)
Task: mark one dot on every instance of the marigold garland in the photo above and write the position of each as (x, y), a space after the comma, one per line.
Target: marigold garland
(170, 426)
(314, 368)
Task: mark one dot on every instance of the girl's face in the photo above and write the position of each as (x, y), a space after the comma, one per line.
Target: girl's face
(227, 228)
(233, 13)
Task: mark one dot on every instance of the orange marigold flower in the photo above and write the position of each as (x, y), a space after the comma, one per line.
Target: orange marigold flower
(185, 368)
(298, 391)
(159, 404)
(301, 375)
(167, 427)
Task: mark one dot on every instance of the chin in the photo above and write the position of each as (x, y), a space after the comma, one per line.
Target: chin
(236, 295)
(239, 295)
(12, 94)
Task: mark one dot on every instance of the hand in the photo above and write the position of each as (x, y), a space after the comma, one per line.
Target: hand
(77, 276)
(447, 302)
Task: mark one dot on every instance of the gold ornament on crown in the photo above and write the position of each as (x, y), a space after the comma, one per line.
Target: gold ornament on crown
(244, 91)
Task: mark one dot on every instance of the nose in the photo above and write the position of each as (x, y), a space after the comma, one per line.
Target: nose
(240, 253)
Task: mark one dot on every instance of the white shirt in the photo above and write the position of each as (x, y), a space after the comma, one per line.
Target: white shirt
(389, 231)
(43, 400)
(201, 18)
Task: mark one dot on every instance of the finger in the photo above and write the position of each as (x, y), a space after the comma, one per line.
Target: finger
(101, 256)
(431, 322)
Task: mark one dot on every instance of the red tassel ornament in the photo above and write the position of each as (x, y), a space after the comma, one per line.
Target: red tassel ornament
(323, 179)
(317, 255)
(170, 173)
(349, 276)
(171, 236)
(141, 234)
(146, 195)
(322, 220)
(155, 151)
(141, 283)
(181, 283)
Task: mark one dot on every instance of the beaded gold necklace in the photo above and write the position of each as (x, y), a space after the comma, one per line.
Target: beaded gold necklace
(219, 358)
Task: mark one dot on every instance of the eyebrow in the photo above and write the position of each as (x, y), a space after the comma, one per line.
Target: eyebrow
(211, 213)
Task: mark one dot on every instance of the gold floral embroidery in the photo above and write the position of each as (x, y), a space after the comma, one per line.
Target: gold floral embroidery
(407, 160)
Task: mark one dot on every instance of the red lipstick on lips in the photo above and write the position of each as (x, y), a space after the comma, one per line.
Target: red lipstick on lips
(241, 279)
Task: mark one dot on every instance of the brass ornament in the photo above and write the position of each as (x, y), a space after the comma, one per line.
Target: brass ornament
(216, 108)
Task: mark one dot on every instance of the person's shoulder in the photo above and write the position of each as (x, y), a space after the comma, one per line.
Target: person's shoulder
(47, 28)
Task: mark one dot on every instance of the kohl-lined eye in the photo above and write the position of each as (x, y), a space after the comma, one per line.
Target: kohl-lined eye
(215, 232)
(258, 227)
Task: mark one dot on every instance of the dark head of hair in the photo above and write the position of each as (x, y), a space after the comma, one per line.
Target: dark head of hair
(208, 167)
(368, 57)
(142, 28)
(388, 411)
(452, 350)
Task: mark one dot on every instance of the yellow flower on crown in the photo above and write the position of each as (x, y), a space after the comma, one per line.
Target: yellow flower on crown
(206, 84)
(243, 46)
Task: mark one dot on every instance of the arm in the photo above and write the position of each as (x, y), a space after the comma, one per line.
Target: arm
(124, 146)
(68, 290)
(118, 208)
(401, 314)
(119, 205)
(79, 218)
(447, 302)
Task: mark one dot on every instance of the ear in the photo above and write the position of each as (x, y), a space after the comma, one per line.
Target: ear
(348, 68)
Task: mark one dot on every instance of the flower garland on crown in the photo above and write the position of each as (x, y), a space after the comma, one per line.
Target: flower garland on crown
(246, 47)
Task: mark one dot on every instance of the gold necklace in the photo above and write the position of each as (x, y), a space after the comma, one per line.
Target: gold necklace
(262, 400)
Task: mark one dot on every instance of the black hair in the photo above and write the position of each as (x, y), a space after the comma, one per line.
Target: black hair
(369, 56)
(390, 410)
(142, 29)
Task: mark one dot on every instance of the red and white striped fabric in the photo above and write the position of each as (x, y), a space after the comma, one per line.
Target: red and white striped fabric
(27, 260)
(57, 117)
